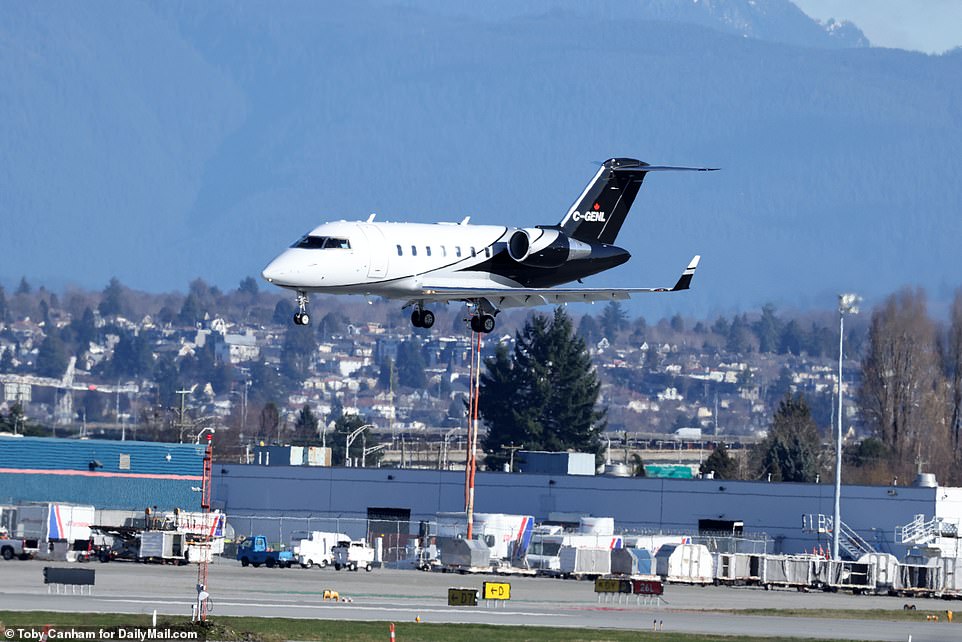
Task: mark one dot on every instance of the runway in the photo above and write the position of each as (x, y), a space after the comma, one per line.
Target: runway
(393, 595)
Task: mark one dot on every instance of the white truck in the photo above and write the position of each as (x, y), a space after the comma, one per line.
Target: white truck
(55, 531)
(315, 550)
(353, 555)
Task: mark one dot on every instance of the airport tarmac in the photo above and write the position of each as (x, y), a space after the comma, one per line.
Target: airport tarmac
(395, 595)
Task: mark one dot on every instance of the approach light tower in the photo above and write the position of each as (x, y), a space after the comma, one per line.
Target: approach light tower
(847, 304)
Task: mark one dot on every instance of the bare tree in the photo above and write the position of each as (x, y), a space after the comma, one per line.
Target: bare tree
(902, 396)
(953, 371)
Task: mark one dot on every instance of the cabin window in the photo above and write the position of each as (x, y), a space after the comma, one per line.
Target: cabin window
(427, 248)
(414, 250)
(473, 253)
(444, 251)
(457, 251)
(487, 252)
(400, 252)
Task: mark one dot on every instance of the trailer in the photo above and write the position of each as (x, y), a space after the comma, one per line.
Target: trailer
(917, 579)
(739, 569)
(685, 563)
(886, 570)
(858, 577)
(794, 571)
(544, 553)
(582, 562)
(55, 531)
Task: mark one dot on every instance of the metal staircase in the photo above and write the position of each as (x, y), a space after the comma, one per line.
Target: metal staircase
(920, 532)
(850, 542)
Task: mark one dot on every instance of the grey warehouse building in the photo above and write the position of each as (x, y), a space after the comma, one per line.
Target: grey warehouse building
(636, 504)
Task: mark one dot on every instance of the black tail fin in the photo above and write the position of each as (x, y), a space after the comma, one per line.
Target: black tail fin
(597, 216)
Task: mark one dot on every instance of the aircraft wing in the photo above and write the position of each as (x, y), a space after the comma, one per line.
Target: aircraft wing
(522, 297)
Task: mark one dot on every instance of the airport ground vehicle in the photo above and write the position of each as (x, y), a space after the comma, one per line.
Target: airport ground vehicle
(353, 555)
(315, 550)
(256, 551)
(11, 548)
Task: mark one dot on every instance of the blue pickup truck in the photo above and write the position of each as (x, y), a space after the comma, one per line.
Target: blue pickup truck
(256, 551)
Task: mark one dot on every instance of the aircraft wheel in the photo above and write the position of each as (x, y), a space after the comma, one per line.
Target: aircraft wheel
(475, 324)
(427, 319)
(416, 319)
(486, 323)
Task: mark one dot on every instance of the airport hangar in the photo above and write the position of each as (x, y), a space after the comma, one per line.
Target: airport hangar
(133, 475)
(635, 503)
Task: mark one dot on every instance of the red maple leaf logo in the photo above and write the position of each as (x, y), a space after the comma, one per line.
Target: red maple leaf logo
(596, 207)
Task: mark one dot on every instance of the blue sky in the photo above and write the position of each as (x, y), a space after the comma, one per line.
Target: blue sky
(930, 26)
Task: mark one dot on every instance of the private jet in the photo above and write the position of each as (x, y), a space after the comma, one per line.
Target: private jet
(489, 267)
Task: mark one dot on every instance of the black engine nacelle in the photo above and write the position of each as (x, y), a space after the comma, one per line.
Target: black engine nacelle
(545, 248)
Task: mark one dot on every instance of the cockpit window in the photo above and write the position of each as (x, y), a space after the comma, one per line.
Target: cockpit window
(322, 242)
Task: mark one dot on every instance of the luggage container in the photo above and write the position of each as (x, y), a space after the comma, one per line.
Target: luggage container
(162, 546)
(951, 576)
(798, 571)
(584, 562)
(917, 579)
(859, 577)
(632, 562)
(685, 563)
(464, 554)
(886, 570)
(739, 569)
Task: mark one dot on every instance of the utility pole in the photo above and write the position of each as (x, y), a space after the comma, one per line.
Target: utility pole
(511, 448)
(847, 304)
(182, 417)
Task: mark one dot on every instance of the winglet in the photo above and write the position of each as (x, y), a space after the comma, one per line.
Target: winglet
(685, 280)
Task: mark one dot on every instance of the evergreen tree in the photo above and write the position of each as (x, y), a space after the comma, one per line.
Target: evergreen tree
(719, 461)
(410, 365)
(739, 336)
(387, 376)
(589, 330)
(52, 356)
(266, 384)
(6, 361)
(768, 329)
(132, 357)
(191, 312)
(545, 395)
(283, 312)
(298, 352)
(24, 287)
(248, 285)
(305, 428)
(613, 320)
(791, 450)
(677, 323)
(112, 302)
(4, 308)
(270, 421)
(344, 426)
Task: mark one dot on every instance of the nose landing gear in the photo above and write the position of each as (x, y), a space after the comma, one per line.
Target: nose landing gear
(302, 316)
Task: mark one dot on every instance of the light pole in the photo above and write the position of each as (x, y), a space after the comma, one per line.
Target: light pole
(350, 440)
(847, 304)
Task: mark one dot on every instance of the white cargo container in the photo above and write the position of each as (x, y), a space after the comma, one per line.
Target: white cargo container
(886, 570)
(790, 570)
(686, 563)
(580, 562)
(315, 550)
(739, 568)
(162, 546)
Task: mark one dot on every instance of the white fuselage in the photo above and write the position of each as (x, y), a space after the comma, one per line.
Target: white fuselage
(388, 259)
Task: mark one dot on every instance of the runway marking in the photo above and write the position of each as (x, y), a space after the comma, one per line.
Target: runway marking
(359, 607)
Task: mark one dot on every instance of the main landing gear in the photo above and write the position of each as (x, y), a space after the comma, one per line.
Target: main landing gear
(482, 323)
(302, 316)
(422, 318)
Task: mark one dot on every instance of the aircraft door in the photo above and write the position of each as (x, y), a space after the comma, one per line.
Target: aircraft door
(378, 254)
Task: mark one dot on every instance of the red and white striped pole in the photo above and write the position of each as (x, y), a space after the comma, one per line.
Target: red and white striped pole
(392, 631)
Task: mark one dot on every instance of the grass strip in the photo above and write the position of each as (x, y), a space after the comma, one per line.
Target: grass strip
(256, 629)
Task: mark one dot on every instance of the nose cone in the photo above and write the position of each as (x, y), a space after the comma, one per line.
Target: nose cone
(280, 270)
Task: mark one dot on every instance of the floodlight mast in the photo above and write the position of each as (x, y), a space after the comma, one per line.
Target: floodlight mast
(847, 304)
